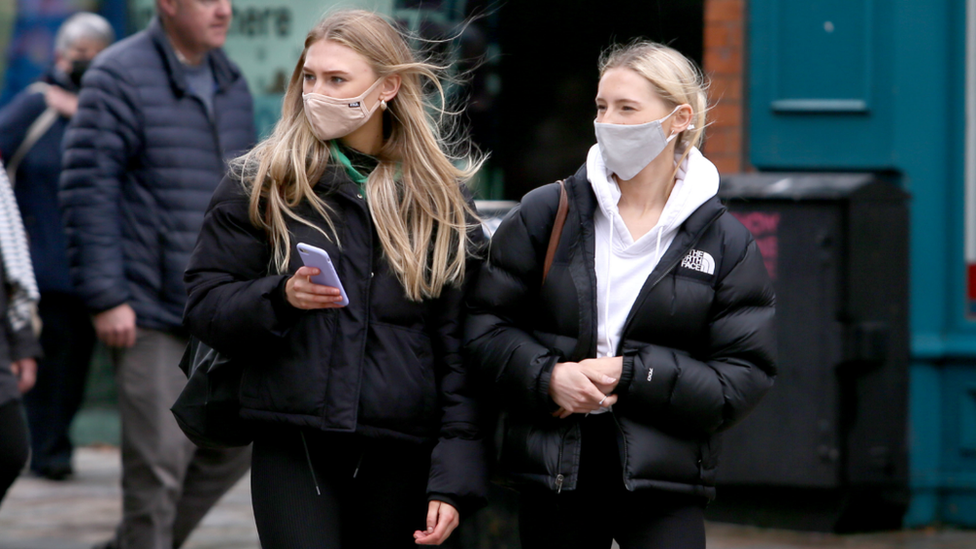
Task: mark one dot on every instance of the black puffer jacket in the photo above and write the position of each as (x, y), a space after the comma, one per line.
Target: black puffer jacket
(698, 348)
(142, 159)
(383, 366)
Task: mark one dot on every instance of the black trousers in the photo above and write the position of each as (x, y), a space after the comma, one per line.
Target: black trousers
(67, 339)
(13, 444)
(601, 509)
(356, 493)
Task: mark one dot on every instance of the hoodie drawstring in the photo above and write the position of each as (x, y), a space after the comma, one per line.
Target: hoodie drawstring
(657, 252)
(606, 312)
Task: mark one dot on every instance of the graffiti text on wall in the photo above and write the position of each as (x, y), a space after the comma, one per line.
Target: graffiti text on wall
(765, 229)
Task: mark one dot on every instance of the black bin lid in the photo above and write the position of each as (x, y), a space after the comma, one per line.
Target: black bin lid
(808, 186)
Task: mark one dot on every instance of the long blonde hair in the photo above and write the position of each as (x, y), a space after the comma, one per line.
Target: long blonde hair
(674, 77)
(414, 194)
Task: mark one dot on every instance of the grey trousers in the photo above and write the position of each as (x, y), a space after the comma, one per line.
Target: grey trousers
(168, 484)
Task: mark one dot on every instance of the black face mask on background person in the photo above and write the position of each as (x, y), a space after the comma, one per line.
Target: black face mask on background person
(78, 68)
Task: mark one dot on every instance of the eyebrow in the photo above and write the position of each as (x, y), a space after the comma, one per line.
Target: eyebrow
(624, 100)
(341, 72)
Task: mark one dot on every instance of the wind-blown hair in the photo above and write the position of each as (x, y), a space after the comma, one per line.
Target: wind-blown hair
(414, 194)
(674, 77)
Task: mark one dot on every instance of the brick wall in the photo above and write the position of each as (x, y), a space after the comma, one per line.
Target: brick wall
(724, 65)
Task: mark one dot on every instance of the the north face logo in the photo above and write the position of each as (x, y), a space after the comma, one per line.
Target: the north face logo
(700, 261)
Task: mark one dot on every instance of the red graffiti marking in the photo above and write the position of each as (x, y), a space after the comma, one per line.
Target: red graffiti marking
(765, 229)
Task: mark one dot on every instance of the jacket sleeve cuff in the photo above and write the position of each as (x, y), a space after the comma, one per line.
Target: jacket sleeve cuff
(446, 498)
(458, 474)
(626, 374)
(24, 344)
(102, 305)
(653, 373)
(285, 312)
(545, 377)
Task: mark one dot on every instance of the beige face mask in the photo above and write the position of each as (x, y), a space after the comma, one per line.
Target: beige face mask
(332, 117)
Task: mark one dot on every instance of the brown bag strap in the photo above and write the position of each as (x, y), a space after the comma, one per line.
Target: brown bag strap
(557, 229)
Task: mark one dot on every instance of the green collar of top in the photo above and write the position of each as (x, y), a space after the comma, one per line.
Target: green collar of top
(354, 174)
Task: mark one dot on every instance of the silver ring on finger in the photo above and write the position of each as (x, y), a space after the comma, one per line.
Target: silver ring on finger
(601, 400)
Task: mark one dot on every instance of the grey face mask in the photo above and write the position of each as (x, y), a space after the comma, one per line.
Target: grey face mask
(629, 148)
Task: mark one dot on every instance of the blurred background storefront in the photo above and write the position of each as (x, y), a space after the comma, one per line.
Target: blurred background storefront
(881, 90)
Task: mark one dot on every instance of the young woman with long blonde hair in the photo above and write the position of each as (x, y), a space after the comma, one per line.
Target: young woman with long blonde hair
(365, 431)
(652, 332)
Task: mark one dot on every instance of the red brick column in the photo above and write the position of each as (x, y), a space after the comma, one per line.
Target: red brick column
(724, 66)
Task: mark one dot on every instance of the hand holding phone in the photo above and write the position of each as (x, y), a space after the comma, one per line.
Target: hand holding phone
(319, 258)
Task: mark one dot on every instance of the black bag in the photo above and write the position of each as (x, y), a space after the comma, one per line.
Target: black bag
(208, 409)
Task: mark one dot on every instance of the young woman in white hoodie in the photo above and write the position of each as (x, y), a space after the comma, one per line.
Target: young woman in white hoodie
(650, 334)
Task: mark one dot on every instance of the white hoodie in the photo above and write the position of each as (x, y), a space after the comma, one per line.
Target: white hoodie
(620, 275)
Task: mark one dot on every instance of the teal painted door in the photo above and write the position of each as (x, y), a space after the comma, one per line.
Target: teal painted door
(880, 85)
(818, 93)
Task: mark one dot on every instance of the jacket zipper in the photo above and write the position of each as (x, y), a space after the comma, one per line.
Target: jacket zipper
(559, 459)
(214, 128)
(663, 274)
(212, 119)
(369, 286)
(359, 463)
(623, 464)
(311, 469)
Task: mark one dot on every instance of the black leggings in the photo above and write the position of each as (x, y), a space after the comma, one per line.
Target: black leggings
(369, 494)
(600, 509)
(14, 444)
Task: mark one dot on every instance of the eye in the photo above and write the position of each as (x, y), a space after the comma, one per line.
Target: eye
(601, 108)
(308, 77)
(337, 80)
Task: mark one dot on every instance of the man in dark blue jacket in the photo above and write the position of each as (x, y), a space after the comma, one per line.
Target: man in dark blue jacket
(31, 129)
(159, 115)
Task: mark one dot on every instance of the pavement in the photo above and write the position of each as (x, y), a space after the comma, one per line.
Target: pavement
(75, 514)
(82, 511)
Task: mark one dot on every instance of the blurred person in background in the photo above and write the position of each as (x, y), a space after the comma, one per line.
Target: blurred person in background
(159, 115)
(31, 128)
(19, 347)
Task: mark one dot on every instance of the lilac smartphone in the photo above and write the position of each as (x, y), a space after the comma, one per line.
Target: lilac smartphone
(319, 258)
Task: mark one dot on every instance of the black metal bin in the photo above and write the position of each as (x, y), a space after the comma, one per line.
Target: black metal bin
(826, 450)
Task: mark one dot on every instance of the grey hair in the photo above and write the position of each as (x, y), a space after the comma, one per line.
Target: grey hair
(81, 26)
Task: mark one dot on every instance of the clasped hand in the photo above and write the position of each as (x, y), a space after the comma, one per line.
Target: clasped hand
(442, 519)
(586, 386)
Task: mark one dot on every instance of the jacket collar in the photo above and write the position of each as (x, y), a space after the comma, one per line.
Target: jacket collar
(335, 180)
(225, 73)
(579, 187)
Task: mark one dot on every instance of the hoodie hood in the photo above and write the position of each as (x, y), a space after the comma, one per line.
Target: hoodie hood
(696, 182)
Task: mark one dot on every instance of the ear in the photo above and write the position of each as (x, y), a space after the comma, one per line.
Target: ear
(167, 7)
(390, 87)
(682, 119)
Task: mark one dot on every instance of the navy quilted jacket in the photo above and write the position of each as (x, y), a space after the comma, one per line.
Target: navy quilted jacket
(37, 183)
(142, 159)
